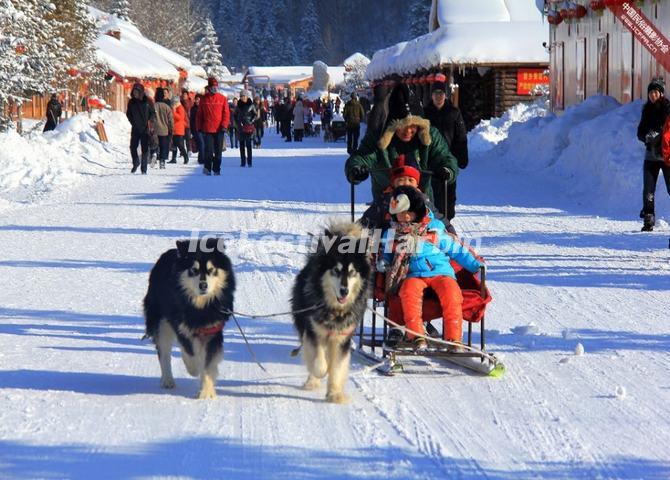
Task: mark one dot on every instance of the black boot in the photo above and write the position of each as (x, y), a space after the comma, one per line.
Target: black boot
(649, 222)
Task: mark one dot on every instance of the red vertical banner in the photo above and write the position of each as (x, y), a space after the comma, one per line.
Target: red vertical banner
(643, 29)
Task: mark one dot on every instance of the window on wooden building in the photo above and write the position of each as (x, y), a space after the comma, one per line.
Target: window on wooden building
(580, 64)
(603, 65)
(558, 72)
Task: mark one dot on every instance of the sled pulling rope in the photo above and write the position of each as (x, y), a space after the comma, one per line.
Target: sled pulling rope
(251, 351)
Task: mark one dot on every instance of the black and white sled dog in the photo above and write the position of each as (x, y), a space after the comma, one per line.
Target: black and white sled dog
(329, 299)
(190, 294)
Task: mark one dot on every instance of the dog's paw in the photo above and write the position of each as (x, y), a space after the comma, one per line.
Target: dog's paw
(312, 383)
(206, 393)
(167, 383)
(337, 397)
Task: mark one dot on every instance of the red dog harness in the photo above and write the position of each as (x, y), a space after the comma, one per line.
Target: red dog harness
(206, 331)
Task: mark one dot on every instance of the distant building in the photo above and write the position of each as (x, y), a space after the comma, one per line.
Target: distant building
(490, 50)
(608, 47)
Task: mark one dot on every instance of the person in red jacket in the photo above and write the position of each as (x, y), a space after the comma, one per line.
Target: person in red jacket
(665, 143)
(212, 120)
(179, 132)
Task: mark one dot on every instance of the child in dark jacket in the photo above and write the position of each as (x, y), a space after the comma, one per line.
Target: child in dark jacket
(419, 252)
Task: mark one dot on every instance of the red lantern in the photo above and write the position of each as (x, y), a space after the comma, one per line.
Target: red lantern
(565, 13)
(579, 11)
(554, 18)
(598, 5)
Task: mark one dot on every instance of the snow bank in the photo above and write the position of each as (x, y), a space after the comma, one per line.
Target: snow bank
(488, 133)
(592, 149)
(35, 165)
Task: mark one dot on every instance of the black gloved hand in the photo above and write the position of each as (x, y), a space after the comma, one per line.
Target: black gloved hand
(357, 174)
(650, 137)
(444, 173)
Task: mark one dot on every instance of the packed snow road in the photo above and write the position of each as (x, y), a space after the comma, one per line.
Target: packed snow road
(80, 395)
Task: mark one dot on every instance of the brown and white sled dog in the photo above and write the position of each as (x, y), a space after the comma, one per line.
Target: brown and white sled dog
(190, 294)
(329, 299)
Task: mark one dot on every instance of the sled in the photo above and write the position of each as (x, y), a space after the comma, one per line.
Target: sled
(338, 129)
(100, 130)
(371, 338)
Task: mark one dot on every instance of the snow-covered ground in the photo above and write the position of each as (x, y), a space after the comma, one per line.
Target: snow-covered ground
(79, 391)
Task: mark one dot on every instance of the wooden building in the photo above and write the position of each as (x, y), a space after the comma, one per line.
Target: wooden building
(608, 47)
(490, 50)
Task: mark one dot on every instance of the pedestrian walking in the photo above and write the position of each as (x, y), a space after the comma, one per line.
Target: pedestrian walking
(213, 119)
(353, 116)
(140, 114)
(54, 112)
(246, 117)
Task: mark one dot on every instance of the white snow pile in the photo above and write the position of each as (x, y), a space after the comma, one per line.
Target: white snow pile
(37, 164)
(591, 149)
(488, 133)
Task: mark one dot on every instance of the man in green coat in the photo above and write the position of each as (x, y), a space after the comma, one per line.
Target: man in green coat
(406, 133)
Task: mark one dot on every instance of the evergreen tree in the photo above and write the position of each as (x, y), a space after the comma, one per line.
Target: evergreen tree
(208, 54)
(226, 27)
(419, 16)
(121, 8)
(28, 46)
(78, 33)
(311, 34)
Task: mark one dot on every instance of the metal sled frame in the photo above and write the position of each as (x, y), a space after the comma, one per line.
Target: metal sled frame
(369, 342)
(373, 333)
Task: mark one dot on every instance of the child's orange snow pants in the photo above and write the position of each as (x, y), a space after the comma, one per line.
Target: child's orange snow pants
(451, 300)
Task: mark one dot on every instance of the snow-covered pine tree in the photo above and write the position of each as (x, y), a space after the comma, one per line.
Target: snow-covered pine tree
(354, 78)
(78, 31)
(28, 43)
(226, 27)
(208, 54)
(419, 13)
(310, 34)
(121, 8)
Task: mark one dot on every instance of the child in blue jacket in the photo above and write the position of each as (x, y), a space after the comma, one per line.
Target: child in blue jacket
(419, 251)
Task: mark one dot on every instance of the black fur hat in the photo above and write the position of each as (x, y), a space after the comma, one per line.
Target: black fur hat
(404, 109)
(440, 83)
(656, 84)
(408, 199)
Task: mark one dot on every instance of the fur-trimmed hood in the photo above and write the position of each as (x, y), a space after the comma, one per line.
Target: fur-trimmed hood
(423, 130)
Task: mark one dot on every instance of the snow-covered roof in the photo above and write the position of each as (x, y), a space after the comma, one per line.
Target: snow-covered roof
(134, 55)
(236, 78)
(281, 75)
(477, 32)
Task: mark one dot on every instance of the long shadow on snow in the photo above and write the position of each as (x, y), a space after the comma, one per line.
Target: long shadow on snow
(594, 341)
(587, 277)
(174, 234)
(131, 267)
(300, 178)
(108, 321)
(204, 458)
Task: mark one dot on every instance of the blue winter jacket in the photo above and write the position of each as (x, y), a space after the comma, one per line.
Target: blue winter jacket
(432, 260)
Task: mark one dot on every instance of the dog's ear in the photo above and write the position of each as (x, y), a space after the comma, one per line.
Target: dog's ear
(215, 244)
(182, 248)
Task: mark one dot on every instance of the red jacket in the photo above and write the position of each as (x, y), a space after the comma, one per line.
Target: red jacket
(213, 114)
(665, 143)
(180, 120)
